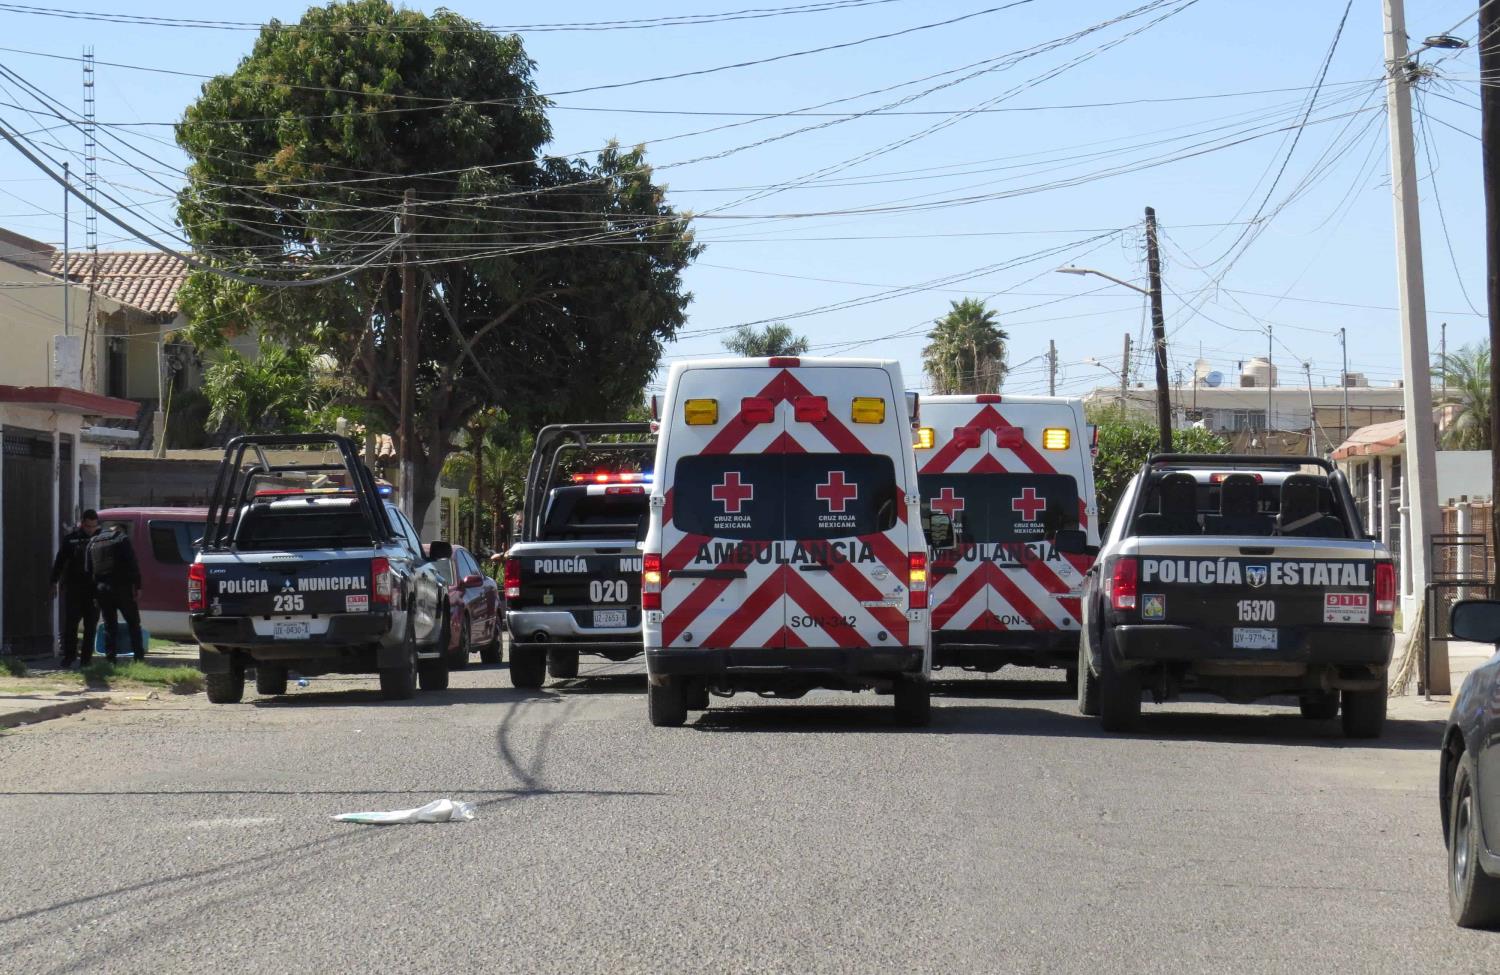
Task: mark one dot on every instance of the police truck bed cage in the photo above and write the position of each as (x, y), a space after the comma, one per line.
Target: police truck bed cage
(233, 487)
(555, 441)
(1238, 461)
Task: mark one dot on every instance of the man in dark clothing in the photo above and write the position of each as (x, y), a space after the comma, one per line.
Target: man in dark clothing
(117, 584)
(70, 571)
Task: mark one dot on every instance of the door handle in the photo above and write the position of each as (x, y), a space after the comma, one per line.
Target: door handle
(943, 570)
(814, 567)
(707, 574)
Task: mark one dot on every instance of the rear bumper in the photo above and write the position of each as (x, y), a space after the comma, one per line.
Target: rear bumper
(228, 633)
(561, 626)
(730, 666)
(1313, 645)
(991, 650)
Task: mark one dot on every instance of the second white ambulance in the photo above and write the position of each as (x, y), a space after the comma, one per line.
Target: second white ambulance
(1000, 477)
(784, 551)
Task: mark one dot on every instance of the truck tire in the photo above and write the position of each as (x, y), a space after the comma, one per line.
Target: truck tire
(562, 663)
(913, 701)
(399, 683)
(226, 688)
(1320, 705)
(1070, 680)
(667, 703)
(1364, 713)
(1088, 684)
(1473, 895)
(270, 681)
(1119, 695)
(697, 696)
(433, 673)
(490, 653)
(528, 666)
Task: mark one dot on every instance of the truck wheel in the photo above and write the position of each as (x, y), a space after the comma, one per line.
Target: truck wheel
(562, 663)
(1070, 680)
(399, 683)
(270, 680)
(1473, 895)
(490, 652)
(913, 701)
(667, 703)
(1088, 685)
(1119, 695)
(528, 666)
(1364, 713)
(1320, 705)
(226, 688)
(697, 696)
(460, 657)
(433, 673)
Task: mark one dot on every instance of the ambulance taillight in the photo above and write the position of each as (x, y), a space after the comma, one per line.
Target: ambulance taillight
(651, 581)
(926, 438)
(1057, 438)
(917, 579)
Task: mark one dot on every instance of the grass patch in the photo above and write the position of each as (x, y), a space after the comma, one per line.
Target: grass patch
(13, 666)
(182, 680)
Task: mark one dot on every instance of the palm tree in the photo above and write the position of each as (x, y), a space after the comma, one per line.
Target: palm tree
(965, 351)
(1465, 375)
(272, 393)
(775, 339)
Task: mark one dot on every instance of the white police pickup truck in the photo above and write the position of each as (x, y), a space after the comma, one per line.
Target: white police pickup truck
(1245, 577)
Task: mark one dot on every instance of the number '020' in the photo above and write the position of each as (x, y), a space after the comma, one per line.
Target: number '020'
(608, 591)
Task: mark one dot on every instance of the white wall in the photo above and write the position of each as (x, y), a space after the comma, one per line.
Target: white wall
(1463, 472)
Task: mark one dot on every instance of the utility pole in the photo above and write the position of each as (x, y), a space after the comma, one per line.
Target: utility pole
(1158, 335)
(1051, 368)
(1344, 382)
(66, 287)
(1489, 152)
(1419, 485)
(1312, 414)
(408, 363)
(1124, 375)
(1270, 389)
(1443, 359)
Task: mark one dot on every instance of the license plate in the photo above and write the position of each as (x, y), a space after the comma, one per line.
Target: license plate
(289, 631)
(609, 617)
(1254, 638)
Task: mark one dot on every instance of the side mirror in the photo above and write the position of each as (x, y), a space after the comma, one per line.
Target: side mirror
(1071, 541)
(439, 550)
(471, 581)
(1476, 619)
(940, 530)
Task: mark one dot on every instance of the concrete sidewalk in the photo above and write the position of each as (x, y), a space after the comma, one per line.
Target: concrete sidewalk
(39, 696)
(44, 705)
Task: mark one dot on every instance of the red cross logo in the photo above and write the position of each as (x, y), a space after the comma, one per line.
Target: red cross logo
(947, 502)
(836, 491)
(1028, 504)
(732, 492)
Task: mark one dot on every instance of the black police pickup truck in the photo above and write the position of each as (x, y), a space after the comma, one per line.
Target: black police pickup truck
(1245, 577)
(573, 581)
(305, 566)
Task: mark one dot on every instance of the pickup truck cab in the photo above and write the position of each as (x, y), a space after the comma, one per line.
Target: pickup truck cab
(1245, 577)
(573, 581)
(305, 566)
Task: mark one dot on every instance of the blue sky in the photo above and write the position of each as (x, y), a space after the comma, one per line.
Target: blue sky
(1322, 260)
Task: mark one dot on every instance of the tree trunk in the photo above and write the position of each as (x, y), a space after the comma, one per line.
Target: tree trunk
(427, 468)
(476, 536)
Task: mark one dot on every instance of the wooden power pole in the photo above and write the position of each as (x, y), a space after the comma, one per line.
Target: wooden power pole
(408, 364)
(1489, 151)
(1158, 335)
(1051, 367)
(1124, 375)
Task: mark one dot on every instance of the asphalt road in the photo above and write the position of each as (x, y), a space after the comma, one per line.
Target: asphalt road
(811, 836)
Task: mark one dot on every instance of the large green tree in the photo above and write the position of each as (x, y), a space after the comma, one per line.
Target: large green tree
(965, 351)
(776, 338)
(544, 286)
(1126, 440)
(1465, 375)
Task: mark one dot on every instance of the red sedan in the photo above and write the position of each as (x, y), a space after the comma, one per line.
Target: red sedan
(474, 612)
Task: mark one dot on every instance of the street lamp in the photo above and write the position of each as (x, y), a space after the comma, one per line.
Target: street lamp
(1108, 277)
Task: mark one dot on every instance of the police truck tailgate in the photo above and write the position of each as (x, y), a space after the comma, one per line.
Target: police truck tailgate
(1253, 594)
(598, 584)
(285, 584)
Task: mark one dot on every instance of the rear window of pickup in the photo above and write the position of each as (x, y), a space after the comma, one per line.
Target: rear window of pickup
(266, 528)
(1302, 506)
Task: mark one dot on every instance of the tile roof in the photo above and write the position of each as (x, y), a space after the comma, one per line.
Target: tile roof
(147, 280)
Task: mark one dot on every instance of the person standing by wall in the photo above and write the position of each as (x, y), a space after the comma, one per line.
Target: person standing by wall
(117, 585)
(70, 576)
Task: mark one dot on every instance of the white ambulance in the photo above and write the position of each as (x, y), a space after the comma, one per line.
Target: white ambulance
(1000, 478)
(784, 551)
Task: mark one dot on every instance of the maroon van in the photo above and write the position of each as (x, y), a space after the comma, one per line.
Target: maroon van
(163, 540)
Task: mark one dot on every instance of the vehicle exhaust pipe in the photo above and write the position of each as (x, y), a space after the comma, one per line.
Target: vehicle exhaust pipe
(540, 636)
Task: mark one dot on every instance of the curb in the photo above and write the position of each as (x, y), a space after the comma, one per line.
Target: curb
(61, 709)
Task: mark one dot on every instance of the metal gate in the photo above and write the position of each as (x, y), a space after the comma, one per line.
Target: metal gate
(27, 513)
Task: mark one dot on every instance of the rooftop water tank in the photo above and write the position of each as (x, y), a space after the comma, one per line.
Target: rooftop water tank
(1258, 372)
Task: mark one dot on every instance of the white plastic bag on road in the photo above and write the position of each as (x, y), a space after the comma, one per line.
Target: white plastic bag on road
(436, 811)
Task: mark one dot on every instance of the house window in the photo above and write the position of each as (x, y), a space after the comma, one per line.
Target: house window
(114, 366)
